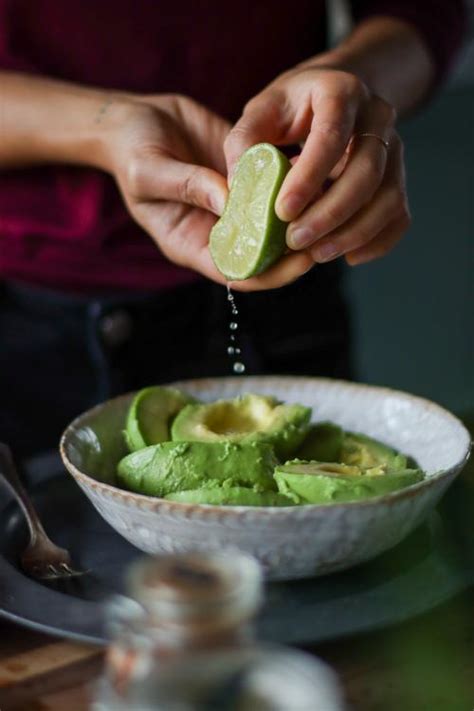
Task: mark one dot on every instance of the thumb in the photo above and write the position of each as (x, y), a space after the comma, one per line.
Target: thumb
(195, 185)
(261, 121)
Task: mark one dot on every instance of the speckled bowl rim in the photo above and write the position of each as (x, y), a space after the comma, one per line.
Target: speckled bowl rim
(164, 505)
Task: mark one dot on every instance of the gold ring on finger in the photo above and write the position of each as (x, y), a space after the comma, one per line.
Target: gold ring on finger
(384, 143)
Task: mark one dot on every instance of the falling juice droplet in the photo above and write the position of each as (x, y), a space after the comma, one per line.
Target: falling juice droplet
(237, 366)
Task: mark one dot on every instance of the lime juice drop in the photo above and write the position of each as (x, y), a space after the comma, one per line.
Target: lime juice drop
(233, 349)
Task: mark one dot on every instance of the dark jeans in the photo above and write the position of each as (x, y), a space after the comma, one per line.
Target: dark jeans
(59, 354)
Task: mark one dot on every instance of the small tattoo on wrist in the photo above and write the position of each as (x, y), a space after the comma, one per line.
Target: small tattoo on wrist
(103, 110)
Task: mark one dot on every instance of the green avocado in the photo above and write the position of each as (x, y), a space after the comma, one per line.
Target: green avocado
(150, 415)
(328, 483)
(178, 466)
(249, 418)
(366, 452)
(231, 496)
(323, 443)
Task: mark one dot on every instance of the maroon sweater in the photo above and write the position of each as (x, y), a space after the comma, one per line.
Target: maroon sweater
(66, 227)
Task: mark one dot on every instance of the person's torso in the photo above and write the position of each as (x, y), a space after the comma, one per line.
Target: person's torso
(221, 54)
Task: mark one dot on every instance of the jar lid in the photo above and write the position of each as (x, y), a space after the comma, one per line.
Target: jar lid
(193, 586)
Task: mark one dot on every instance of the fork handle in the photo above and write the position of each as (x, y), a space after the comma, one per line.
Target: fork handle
(9, 476)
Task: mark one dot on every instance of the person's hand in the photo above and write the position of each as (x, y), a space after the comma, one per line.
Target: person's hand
(364, 212)
(166, 154)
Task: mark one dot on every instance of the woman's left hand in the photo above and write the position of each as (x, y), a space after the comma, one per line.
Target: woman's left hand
(364, 212)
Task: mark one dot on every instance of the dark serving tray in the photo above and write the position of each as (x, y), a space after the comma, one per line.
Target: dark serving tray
(435, 563)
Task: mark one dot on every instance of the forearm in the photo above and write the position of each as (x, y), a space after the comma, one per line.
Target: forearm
(48, 121)
(390, 58)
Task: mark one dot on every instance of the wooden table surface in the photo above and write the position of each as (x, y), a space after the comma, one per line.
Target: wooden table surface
(426, 664)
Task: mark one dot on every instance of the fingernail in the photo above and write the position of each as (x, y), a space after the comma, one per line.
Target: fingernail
(289, 208)
(300, 238)
(325, 252)
(218, 203)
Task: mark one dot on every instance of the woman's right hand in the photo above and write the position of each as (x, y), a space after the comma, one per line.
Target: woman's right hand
(166, 154)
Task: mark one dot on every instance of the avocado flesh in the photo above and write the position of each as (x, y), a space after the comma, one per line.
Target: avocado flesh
(249, 418)
(179, 466)
(150, 415)
(323, 443)
(366, 452)
(327, 482)
(231, 496)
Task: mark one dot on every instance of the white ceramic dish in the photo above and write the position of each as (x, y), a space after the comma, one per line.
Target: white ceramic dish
(293, 542)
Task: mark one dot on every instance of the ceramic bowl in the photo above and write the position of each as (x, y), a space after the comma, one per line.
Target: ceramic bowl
(290, 542)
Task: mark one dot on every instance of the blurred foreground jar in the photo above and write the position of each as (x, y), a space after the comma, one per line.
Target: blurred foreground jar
(185, 643)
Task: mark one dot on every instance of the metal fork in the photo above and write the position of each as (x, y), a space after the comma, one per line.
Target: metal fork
(41, 559)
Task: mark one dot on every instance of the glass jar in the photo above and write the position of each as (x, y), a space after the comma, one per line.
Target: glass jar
(183, 641)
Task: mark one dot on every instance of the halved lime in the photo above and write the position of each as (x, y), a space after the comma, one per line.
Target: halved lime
(151, 414)
(249, 236)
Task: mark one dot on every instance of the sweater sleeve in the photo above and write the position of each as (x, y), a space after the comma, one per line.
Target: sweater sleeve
(440, 23)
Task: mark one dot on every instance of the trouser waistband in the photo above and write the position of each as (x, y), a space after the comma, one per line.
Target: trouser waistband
(48, 301)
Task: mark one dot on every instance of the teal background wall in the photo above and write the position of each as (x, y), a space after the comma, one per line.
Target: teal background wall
(414, 309)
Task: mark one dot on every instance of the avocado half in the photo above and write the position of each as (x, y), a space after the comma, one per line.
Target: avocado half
(323, 443)
(329, 482)
(150, 415)
(366, 452)
(248, 418)
(179, 466)
(231, 496)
